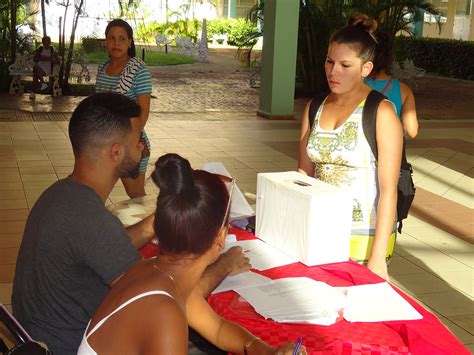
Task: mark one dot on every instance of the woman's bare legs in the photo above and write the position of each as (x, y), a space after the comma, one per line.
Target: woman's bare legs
(38, 75)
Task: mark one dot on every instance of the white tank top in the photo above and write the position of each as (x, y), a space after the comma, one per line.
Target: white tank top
(85, 348)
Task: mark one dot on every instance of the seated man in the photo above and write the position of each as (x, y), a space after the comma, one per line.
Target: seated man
(45, 58)
(73, 247)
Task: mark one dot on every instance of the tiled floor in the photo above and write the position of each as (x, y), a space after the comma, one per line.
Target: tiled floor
(434, 258)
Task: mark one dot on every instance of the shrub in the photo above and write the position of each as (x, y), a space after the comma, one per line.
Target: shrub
(219, 26)
(240, 32)
(188, 28)
(446, 57)
(146, 32)
(92, 44)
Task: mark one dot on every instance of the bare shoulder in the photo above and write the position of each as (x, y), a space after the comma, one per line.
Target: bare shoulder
(163, 327)
(386, 108)
(405, 91)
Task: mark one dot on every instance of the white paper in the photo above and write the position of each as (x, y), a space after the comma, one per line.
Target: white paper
(230, 238)
(262, 256)
(296, 300)
(239, 208)
(135, 210)
(377, 303)
(245, 279)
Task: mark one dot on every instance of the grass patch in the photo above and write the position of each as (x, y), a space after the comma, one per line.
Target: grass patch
(152, 58)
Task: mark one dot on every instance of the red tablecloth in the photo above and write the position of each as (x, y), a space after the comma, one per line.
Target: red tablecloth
(427, 336)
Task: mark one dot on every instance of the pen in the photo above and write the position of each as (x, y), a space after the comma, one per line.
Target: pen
(297, 347)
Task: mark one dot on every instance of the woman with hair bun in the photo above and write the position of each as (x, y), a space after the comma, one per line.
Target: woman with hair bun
(148, 309)
(334, 149)
(399, 93)
(128, 75)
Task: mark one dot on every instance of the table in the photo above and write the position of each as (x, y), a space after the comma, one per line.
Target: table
(425, 336)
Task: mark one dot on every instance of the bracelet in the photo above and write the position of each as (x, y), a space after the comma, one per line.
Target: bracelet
(249, 344)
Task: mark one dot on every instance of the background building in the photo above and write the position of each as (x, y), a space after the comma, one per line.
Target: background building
(457, 22)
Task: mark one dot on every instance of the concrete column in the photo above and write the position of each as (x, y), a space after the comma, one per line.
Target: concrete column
(471, 32)
(232, 8)
(450, 21)
(278, 70)
(418, 30)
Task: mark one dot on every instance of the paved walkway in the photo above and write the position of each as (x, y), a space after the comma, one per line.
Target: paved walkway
(206, 112)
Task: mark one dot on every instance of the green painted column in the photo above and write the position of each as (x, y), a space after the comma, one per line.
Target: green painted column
(278, 70)
(232, 9)
(418, 28)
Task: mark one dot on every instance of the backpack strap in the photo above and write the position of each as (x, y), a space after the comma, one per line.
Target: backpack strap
(369, 118)
(313, 108)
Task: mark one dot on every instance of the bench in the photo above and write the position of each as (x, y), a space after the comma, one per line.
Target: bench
(162, 40)
(186, 46)
(407, 72)
(23, 66)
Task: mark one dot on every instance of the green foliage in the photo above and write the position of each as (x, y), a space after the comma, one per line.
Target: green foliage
(148, 31)
(186, 28)
(452, 58)
(152, 57)
(219, 26)
(316, 24)
(92, 44)
(23, 43)
(239, 33)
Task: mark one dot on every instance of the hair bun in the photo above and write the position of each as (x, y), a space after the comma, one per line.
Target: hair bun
(364, 22)
(173, 174)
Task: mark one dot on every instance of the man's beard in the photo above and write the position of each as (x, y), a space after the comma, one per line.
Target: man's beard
(129, 168)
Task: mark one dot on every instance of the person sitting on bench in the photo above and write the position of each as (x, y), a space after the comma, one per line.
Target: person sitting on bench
(44, 58)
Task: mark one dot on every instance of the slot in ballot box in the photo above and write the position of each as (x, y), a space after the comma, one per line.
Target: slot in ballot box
(303, 217)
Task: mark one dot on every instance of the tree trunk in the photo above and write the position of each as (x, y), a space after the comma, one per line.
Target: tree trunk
(13, 9)
(43, 17)
(71, 42)
(122, 10)
(62, 46)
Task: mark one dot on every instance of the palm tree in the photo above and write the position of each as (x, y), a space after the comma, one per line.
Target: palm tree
(43, 15)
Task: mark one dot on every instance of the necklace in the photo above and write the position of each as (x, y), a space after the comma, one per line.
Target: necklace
(156, 267)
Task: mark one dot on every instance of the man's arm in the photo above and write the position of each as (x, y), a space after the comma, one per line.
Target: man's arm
(232, 262)
(142, 232)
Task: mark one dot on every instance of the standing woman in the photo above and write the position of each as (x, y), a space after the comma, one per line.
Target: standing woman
(399, 93)
(336, 151)
(127, 75)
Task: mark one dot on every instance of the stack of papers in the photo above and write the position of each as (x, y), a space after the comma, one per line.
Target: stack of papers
(296, 300)
(303, 300)
(377, 303)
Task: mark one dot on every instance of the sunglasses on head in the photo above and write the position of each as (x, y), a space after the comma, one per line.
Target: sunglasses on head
(229, 182)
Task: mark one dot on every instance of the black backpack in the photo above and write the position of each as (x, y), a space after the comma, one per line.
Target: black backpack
(406, 188)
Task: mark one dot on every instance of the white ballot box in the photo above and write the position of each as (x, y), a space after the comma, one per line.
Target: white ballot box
(303, 217)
